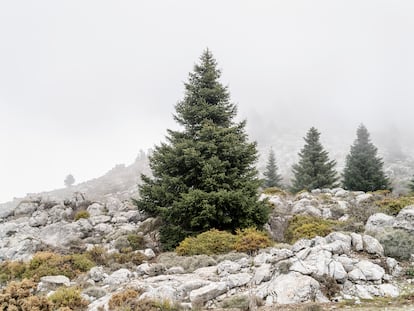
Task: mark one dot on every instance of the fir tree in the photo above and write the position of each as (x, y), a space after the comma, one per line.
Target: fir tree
(272, 179)
(411, 185)
(314, 169)
(204, 175)
(364, 169)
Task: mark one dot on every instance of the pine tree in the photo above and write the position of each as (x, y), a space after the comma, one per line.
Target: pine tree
(69, 180)
(364, 169)
(411, 185)
(273, 179)
(314, 169)
(204, 175)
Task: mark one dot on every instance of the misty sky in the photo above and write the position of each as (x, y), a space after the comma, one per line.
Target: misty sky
(86, 84)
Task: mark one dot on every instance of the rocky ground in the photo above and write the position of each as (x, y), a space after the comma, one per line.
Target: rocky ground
(343, 267)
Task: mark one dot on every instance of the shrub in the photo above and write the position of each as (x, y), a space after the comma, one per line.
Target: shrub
(81, 262)
(328, 285)
(136, 241)
(125, 256)
(236, 302)
(397, 244)
(124, 299)
(250, 240)
(11, 270)
(81, 214)
(97, 254)
(19, 296)
(209, 243)
(302, 226)
(392, 206)
(360, 213)
(275, 191)
(68, 297)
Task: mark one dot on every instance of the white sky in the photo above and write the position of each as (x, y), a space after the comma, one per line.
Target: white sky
(86, 84)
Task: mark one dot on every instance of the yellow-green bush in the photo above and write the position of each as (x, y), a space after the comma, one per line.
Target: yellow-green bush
(81, 214)
(18, 296)
(68, 297)
(302, 226)
(275, 191)
(136, 241)
(126, 256)
(392, 206)
(250, 240)
(11, 270)
(123, 300)
(208, 243)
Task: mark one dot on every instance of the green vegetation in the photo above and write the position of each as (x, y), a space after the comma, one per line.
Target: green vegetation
(397, 244)
(45, 263)
(124, 300)
(392, 206)
(314, 169)
(275, 191)
(212, 242)
(307, 227)
(81, 214)
(136, 241)
(250, 240)
(204, 176)
(364, 169)
(273, 179)
(208, 243)
(21, 296)
(69, 297)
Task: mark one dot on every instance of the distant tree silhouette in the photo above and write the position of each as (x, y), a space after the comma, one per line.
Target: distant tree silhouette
(314, 169)
(273, 179)
(69, 180)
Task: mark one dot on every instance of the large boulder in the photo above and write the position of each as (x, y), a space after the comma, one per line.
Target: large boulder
(405, 219)
(378, 222)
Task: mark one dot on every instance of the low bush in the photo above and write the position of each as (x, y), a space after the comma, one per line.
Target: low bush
(250, 240)
(123, 300)
(392, 206)
(236, 302)
(125, 256)
(275, 191)
(208, 243)
(136, 241)
(69, 297)
(328, 286)
(397, 244)
(19, 296)
(81, 214)
(302, 226)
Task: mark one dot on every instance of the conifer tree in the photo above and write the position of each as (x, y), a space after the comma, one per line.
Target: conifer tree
(204, 175)
(272, 179)
(411, 185)
(314, 169)
(364, 169)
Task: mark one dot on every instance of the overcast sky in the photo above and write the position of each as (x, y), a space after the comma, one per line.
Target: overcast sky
(85, 84)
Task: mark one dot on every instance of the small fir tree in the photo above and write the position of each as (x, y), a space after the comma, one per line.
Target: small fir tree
(204, 176)
(69, 180)
(411, 185)
(314, 169)
(364, 169)
(272, 179)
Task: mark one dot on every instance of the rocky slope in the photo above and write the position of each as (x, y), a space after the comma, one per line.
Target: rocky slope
(341, 265)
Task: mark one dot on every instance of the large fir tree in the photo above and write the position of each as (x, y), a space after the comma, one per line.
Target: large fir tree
(314, 169)
(272, 178)
(364, 169)
(204, 175)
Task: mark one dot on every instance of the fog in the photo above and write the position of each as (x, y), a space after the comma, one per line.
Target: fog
(87, 84)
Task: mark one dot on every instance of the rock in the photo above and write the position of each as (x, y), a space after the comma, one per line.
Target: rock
(59, 212)
(100, 219)
(261, 258)
(393, 267)
(95, 292)
(103, 229)
(262, 274)
(405, 219)
(372, 246)
(96, 209)
(227, 267)
(357, 242)
(315, 263)
(52, 282)
(292, 288)
(301, 244)
(279, 254)
(151, 269)
(208, 292)
(97, 274)
(341, 193)
(160, 293)
(25, 209)
(362, 198)
(38, 219)
(60, 234)
(118, 277)
(338, 243)
(237, 280)
(389, 290)
(371, 271)
(337, 271)
(347, 263)
(176, 270)
(277, 226)
(378, 222)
